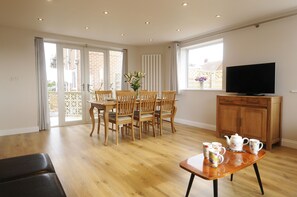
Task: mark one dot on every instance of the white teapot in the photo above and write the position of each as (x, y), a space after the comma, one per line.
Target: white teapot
(236, 142)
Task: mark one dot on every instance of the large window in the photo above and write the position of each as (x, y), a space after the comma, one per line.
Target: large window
(204, 65)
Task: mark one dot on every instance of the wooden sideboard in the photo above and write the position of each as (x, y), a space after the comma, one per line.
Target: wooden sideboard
(257, 117)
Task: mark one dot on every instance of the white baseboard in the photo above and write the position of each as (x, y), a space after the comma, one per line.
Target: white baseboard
(196, 124)
(19, 131)
(289, 143)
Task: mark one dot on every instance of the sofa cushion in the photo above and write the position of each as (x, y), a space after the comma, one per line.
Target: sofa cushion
(23, 166)
(41, 185)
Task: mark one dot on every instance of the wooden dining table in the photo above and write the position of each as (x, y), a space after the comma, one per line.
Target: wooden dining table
(107, 106)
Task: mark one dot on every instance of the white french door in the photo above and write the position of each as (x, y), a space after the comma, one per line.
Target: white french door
(71, 102)
(73, 74)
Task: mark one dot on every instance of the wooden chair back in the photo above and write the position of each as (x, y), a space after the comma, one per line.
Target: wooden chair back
(147, 102)
(125, 103)
(167, 101)
(102, 95)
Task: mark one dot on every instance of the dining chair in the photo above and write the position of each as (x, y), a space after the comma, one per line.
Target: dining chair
(166, 109)
(146, 110)
(101, 95)
(124, 113)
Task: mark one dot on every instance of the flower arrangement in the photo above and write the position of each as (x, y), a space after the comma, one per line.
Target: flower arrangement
(201, 79)
(134, 79)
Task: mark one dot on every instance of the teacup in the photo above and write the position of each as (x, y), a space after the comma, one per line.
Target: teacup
(215, 158)
(255, 146)
(218, 147)
(206, 147)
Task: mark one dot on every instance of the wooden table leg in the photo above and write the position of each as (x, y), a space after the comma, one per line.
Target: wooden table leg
(173, 117)
(91, 111)
(190, 184)
(215, 188)
(106, 125)
(258, 177)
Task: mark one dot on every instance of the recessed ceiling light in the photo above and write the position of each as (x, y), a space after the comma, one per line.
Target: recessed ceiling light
(184, 4)
(218, 16)
(147, 22)
(105, 12)
(40, 19)
(122, 34)
(178, 30)
(86, 27)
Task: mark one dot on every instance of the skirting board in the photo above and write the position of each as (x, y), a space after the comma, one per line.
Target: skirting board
(289, 143)
(18, 131)
(196, 124)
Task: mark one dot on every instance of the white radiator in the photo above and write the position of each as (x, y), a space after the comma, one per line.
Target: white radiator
(151, 66)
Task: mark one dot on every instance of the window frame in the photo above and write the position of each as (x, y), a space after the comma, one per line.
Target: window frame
(185, 63)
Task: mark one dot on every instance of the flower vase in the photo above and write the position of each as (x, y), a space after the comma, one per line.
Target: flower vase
(201, 84)
(137, 93)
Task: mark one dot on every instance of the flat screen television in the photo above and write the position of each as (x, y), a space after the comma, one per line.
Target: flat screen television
(254, 79)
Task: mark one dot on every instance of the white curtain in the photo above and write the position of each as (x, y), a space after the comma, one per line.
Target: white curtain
(124, 69)
(174, 68)
(43, 115)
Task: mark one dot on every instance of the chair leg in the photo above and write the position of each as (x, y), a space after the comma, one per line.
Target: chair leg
(153, 125)
(98, 129)
(161, 126)
(140, 129)
(172, 125)
(117, 134)
(132, 130)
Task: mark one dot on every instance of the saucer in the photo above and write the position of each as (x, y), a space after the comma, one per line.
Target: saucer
(236, 151)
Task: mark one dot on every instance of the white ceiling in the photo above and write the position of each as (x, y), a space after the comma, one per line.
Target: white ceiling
(128, 17)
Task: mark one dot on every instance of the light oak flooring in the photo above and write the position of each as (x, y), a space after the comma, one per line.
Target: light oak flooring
(147, 167)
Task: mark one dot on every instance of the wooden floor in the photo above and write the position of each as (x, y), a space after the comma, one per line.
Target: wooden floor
(147, 167)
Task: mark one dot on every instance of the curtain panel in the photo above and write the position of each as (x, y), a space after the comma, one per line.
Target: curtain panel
(43, 112)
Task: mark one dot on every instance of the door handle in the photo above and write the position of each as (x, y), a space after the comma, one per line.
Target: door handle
(88, 87)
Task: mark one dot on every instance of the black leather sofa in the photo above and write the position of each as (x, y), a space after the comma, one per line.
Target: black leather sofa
(29, 176)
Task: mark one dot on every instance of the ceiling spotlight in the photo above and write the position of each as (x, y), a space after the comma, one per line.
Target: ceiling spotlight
(147, 22)
(122, 34)
(218, 16)
(40, 19)
(86, 27)
(178, 30)
(184, 4)
(106, 12)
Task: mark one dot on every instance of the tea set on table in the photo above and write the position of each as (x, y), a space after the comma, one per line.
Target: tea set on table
(215, 151)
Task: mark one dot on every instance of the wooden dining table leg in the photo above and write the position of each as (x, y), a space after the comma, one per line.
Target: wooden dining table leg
(173, 117)
(91, 111)
(106, 125)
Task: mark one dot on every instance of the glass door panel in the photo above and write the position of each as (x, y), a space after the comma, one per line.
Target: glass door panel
(95, 72)
(115, 70)
(73, 97)
(52, 81)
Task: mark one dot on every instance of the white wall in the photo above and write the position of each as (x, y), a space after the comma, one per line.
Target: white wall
(18, 100)
(17, 81)
(271, 42)
(156, 49)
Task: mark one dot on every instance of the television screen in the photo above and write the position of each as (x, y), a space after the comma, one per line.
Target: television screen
(251, 79)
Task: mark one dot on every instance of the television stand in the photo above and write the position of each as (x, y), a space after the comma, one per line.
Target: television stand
(257, 117)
